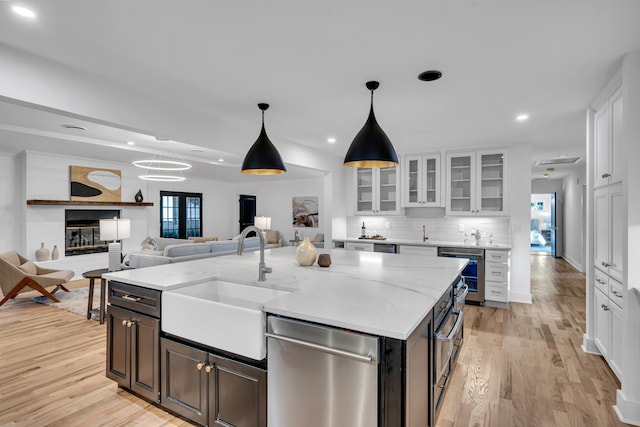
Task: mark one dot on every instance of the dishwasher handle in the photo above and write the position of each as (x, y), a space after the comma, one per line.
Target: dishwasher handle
(454, 329)
(325, 349)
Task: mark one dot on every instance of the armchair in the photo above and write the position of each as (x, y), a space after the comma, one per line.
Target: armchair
(18, 274)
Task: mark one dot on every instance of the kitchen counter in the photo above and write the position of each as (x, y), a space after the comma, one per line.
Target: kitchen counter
(376, 293)
(429, 242)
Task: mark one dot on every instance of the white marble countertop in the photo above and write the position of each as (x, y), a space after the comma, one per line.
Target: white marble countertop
(376, 293)
(429, 242)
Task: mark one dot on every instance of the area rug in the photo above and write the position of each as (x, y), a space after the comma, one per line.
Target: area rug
(74, 301)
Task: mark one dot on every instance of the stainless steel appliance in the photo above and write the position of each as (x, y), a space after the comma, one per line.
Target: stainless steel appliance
(460, 292)
(320, 375)
(473, 273)
(388, 248)
(447, 326)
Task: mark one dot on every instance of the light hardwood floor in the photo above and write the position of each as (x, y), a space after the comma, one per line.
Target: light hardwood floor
(518, 367)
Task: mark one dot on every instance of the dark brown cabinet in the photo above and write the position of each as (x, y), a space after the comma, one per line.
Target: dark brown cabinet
(133, 343)
(210, 389)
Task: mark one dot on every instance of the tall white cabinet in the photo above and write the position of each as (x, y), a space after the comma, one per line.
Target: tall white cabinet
(476, 184)
(377, 191)
(608, 232)
(421, 183)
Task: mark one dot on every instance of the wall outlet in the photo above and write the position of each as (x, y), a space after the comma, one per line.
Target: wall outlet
(387, 225)
(460, 228)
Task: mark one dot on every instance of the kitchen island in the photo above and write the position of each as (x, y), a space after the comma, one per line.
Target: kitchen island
(388, 297)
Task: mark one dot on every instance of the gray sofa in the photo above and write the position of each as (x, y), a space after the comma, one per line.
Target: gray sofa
(167, 251)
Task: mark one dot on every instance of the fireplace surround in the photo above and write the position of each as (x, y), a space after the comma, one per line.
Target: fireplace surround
(82, 230)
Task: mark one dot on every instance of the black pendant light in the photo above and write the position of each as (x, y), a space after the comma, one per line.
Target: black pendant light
(263, 157)
(371, 147)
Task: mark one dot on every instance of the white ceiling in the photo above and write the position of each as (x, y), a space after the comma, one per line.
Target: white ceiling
(208, 63)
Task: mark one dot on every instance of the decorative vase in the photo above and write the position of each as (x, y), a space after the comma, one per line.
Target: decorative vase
(42, 254)
(54, 253)
(139, 197)
(324, 260)
(306, 253)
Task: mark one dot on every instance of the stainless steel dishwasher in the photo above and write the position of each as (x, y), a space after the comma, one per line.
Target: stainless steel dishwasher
(320, 376)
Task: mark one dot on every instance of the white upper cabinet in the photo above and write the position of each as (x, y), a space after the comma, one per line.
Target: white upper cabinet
(476, 183)
(609, 206)
(608, 161)
(377, 191)
(421, 183)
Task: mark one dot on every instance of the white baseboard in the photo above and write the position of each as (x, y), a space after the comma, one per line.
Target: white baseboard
(524, 298)
(574, 263)
(628, 411)
(589, 346)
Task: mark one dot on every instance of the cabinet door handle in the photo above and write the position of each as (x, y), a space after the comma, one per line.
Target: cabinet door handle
(599, 280)
(199, 366)
(618, 294)
(124, 323)
(606, 175)
(605, 264)
(208, 368)
(605, 308)
(131, 298)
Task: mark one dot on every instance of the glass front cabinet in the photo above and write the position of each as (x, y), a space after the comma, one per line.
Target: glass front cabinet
(421, 186)
(476, 183)
(377, 191)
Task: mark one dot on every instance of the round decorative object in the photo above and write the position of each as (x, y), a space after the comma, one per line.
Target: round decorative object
(42, 254)
(139, 197)
(324, 260)
(306, 253)
(54, 253)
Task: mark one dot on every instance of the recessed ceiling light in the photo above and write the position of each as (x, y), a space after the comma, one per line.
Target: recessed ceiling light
(562, 156)
(162, 138)
(331, 140)
(546, 175)
(196, 150)
(551, 169)
(221, 160)
(429, 76)
(522, 117)
(131, 143)
(74, 127)
(23, 11)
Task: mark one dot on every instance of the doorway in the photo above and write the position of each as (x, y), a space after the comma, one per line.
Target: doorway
(543, 224)
(247, 211)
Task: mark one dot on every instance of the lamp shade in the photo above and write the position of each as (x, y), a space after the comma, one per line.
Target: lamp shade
(263, 158)
(262, 222)
(115, 229)
(371, 148)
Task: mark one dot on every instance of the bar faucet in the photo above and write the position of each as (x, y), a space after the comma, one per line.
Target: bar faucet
(262, 268)
(424, 234)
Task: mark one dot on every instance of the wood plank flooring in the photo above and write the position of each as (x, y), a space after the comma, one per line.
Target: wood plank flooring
(518, 367)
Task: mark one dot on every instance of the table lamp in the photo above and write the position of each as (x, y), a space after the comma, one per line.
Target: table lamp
(115, 229)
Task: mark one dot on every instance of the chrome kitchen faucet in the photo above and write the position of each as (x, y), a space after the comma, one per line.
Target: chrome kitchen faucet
(262, 268)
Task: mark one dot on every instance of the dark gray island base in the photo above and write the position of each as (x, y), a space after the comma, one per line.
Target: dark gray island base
(395, 382)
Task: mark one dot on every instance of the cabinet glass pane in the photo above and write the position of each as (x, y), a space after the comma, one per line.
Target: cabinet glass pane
(413, 181)
(365, 190)
(460, 184)
(431, 180)
(387, 189)
(492, 182)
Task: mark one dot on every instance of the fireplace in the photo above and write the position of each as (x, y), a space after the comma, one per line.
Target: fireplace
(82, 230)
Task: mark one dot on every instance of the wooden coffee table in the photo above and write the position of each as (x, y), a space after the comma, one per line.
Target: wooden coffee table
(92, 276)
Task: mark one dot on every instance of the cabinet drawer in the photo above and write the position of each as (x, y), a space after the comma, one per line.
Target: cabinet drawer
(366, 247)
(495, 272)
(616, 293)
(136, 298)
(496, 256)
(601, 281)
(418, 250)
(495, 292)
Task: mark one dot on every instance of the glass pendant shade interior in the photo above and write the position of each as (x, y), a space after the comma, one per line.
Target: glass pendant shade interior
(263, 158)
(371, 148)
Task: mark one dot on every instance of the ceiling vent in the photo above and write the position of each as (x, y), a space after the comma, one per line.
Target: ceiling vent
(558, 161)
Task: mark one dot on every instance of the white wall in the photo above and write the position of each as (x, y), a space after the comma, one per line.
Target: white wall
(11, 209)
(574, 227)
(273, 199)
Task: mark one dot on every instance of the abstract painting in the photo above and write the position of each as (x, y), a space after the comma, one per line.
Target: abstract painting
(305, 211)
(95, 184)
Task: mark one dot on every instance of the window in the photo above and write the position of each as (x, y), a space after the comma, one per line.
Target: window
(180, 214)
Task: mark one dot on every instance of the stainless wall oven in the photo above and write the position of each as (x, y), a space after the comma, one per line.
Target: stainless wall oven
(473, 273)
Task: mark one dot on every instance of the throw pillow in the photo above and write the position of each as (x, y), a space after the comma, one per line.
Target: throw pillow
(29, 268)
(272, 236)
(203, 239)
(149, 243)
